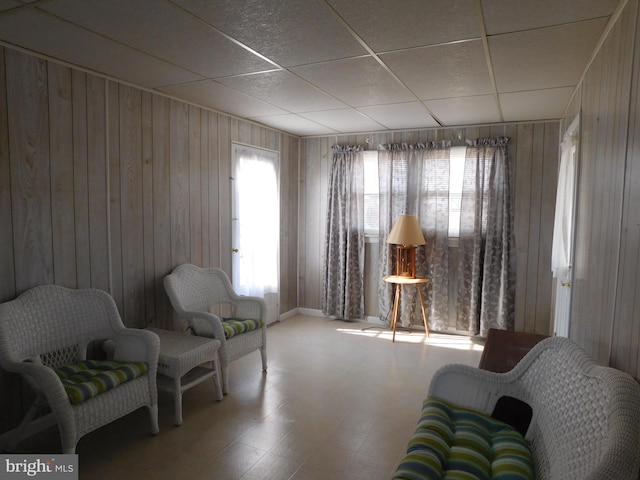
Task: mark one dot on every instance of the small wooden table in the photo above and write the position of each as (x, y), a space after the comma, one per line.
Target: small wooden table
(504, 349)
(399, 281)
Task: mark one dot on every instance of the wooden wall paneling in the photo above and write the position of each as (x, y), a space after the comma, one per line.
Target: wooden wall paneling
(580, 285)
(292, 226)
(7, 266)
(79, 174)
(62, 184)
(289, 197)
(204, 188)
(148, 253)
(535, 216)
(161, 209)
(97, 182)
(306, 151)
(27, 107)
(545, 239)
(283, 189)
(179, 187)
(214, 190)
(522, 194)
(224, 192)
(195, 190)
(618, 51)
(131, 206)
(626, 338)
(115, 208)
(10, 405)
(283, 210)
(314, 227)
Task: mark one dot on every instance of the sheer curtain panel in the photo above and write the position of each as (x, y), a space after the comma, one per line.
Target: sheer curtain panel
(343, 279)
(414, 180)
(486, 268)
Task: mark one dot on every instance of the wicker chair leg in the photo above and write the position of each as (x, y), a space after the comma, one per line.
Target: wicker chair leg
(225, 379)
(153, 415)
(263, 353)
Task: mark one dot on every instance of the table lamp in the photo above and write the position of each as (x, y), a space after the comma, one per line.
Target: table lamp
(406, 234)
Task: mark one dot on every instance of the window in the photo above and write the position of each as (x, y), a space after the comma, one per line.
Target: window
(456, 175)
(371, 186)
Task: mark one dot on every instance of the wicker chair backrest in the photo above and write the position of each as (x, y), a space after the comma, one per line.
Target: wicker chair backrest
(195, 289)
(54, 324)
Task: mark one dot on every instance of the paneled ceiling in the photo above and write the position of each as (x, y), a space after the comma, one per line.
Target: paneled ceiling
(320, 67)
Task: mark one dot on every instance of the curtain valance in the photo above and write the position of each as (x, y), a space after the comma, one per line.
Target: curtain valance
(489, 142)
(415, 146)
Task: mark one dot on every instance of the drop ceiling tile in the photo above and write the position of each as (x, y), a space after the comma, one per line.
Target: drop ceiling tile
(465, 110)
(294, 32)
(357, 82)
(504, 16)
(400, 116)
(395, 25)
(144, 25)
(37, 31)
(285, 90)
(535, 105)
(444, 71)
(221, 98)
(294, 124)
(543, 58)
(344, 120)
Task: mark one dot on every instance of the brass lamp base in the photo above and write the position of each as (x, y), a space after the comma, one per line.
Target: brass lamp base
(406, 261)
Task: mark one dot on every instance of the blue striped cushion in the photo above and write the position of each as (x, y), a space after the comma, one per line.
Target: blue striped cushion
(236, 326)
(456, 443)
(87, 378)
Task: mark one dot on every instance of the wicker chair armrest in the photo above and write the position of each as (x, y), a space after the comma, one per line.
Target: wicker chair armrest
(472, 388)
(206, 325)
(250, 307)
(136, 345)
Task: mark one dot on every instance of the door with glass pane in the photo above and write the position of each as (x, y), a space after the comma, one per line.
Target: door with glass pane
(563, 230)
(256, 225)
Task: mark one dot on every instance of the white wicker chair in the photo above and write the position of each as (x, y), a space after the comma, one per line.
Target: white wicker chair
(586, 418)
(49, 326)
(195, 293)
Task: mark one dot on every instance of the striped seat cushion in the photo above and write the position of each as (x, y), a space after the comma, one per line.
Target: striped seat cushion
(85, 379)
(456, 443)
(236, 326)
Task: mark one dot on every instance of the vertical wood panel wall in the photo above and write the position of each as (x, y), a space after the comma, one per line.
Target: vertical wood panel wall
(534, 155)
(108, 186)
(605, 317)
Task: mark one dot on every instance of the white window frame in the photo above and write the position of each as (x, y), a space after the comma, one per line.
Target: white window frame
(372, 189)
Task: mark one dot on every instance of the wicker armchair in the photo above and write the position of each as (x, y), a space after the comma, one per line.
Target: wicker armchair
(50, 326)
(586, 418)
(195, 293)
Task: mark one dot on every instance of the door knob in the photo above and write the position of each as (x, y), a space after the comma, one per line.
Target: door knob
(235, 250)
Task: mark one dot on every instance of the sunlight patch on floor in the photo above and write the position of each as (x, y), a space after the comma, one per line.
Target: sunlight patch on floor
(457, 342)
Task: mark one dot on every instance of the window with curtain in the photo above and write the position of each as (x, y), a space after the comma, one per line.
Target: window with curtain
(464, 193)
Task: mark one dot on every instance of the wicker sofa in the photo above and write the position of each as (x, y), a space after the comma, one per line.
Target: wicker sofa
(585, 418)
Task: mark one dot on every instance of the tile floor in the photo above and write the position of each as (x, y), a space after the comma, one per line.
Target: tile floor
(336, 403)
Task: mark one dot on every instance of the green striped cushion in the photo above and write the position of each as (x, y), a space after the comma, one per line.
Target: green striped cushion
(456, 443)
(236, 326)
(87, 378)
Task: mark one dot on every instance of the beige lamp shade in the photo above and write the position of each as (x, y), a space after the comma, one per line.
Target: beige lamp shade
(406, 231)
